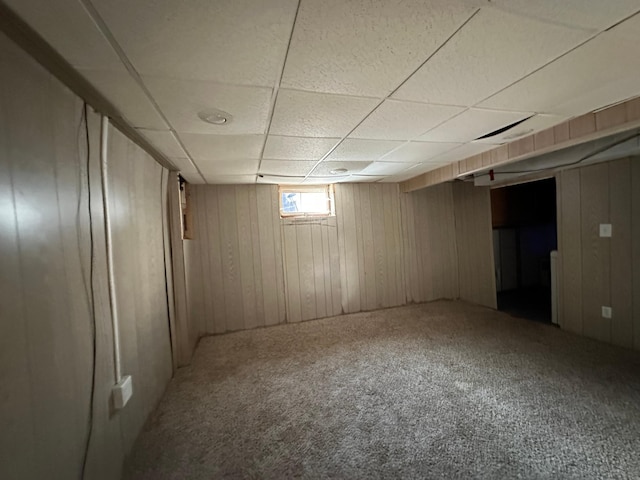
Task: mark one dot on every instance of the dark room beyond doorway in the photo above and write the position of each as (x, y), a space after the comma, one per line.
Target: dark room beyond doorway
(524, 235)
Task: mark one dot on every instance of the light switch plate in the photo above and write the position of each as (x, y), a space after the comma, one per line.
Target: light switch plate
(605, 230)
(606, 312)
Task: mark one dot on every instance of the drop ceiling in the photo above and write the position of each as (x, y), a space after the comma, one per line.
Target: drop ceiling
(387, 90)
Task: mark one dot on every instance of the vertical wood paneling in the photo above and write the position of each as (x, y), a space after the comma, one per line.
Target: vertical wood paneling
(370, 238)
(621, 270)
(46, 300)
(312, 268)
(594, 202)
(571, 254)
(238, 240)
(474, 241)
(635, 253)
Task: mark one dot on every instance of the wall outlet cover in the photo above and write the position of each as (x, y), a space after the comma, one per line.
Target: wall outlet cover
(122, 392)
(605, 230)
(606, 312)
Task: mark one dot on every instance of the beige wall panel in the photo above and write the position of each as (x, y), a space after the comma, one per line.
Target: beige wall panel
(570, 228)
(596, 251)
(621, 268)
(635, 246)
(292, 272)
(475, 244)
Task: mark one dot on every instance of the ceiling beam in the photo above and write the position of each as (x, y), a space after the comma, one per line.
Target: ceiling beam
(591, 126)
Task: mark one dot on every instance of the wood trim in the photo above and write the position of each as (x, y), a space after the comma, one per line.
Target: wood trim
(591, 126)
(31, 42)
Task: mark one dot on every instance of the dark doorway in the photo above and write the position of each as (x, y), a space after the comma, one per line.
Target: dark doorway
(524, 235)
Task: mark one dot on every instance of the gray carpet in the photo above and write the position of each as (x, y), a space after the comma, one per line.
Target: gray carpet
(440, 390)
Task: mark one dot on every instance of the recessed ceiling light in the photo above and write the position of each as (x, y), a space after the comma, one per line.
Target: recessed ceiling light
(338, 171)
(215, 116)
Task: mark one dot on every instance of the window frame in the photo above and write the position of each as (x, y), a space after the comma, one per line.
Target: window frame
(328, 189)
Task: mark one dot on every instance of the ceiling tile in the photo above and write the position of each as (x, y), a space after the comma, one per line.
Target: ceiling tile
(359, 47)
(532, 125)
(215, 179)
(275, 180)
(193, 177)
(182, 100)
(593, 14)
(323, 180)
(228, 167)
(603, 71)
(462, 152)
(325, 168)
(395, 120)
(165, 142)
(472, 124)
(224, 41)
(297, 148)
(486, 56)
(363, 150)
(73, 34)
(418, 169)
(414, 152)
(365, 178)
(385, 168)
(127, 96)
(318, 115)
(183, 164)
(287, 168)
(222, 147)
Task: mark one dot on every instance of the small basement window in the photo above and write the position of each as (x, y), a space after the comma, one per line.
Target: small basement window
(306, 201)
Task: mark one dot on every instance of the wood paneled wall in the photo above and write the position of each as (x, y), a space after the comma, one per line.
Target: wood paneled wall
(46, 297)
(370, 243)
(429, 234)
(235, 279)
(595, 271)
(312, 268)
(474, 242)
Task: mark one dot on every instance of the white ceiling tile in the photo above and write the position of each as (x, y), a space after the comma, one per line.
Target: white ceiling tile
(165, 142)
(323, 180)
(472, 124)
(325, 168)
(67, 27)
(462, 152)
(365, 178)
(385, 168)
(127, 96)
(487, 55)
(287, 168)
(223, 147)
(414, 152)
(630, 28)
(193, 177)
(593, 14)
(395, 120)
(532, 125)
(182, 100)
(318, 115)
(276, 180)
(363, 150)
(359, 47)
(228, 167)
(414, 172)
(228, 41)
(183, 164)
(603, 71)
(214, 179)
(297, 148)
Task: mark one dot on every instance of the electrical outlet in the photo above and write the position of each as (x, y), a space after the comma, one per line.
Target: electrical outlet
(606, 230)
(122, 392)
(606, 312)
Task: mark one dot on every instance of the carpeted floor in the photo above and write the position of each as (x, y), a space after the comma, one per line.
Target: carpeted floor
(440, 390)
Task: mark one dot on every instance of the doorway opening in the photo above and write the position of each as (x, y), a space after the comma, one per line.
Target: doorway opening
(524, 235)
